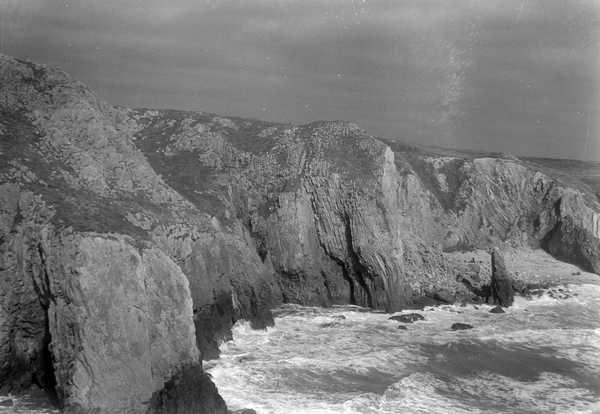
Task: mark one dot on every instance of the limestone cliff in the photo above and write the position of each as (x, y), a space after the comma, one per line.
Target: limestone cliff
(132, 240)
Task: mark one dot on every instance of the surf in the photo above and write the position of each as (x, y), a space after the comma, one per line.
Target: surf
(542, 355)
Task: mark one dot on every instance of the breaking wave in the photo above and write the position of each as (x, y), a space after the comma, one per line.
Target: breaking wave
(541, 356)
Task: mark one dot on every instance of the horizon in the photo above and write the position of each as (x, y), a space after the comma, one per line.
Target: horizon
(520, 77)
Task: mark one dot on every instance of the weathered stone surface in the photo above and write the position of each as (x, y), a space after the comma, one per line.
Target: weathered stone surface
(501, 284)
(100, 323)
(250, 213)
(24, 337)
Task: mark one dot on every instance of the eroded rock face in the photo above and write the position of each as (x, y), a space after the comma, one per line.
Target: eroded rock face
(132, 240)
(501, 284)
(94, 306)
(346, 218)
(100, 323)
(97, 321)
(120, 323)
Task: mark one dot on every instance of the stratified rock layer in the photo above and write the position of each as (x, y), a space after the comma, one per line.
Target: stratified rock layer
(132, 240)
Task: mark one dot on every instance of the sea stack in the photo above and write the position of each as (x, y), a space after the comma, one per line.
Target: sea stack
(501, 284)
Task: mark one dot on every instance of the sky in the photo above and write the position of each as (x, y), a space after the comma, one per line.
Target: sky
(519, 76)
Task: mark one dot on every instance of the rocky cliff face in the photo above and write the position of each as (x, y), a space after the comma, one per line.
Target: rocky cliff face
(345, 217)
(132, 240)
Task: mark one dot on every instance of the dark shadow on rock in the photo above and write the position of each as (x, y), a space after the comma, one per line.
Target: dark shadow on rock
(190, 391)
(502, 287)
(497, 309)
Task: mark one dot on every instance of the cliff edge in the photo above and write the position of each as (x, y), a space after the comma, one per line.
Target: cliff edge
(131, 240)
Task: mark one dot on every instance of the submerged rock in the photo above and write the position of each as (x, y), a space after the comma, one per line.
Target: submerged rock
(502, 287)
(460, 326)
(402, 327)
(497, 309)
(408, 318)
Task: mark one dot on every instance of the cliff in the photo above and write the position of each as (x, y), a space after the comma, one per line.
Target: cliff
(132, 240)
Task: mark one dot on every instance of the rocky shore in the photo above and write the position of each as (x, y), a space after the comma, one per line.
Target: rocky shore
(131, 240)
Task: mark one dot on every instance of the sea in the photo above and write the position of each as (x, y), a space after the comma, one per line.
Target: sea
(541, 356)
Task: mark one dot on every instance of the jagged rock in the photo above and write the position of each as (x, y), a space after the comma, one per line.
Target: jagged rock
(251, 213)
(190, 391)
(501, 285)
(407, 318)
(460, 326)
(102, 323)
(497, 309)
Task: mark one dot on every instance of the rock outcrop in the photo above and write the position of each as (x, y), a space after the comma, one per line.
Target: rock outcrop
(132, 240)
(458, 326)
(501, 284)
(408, 318)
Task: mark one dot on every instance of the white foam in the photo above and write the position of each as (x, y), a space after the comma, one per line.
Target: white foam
(35, 402)
(313, 361)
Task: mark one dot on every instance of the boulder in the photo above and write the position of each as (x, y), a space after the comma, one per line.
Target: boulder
(408, 318)
(497, 309)
(460, 326)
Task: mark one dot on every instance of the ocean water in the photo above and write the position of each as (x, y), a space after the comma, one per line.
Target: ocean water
(541, 356)
(34, 401)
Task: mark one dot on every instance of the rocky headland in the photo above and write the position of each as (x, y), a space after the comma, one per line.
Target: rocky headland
(131, 240)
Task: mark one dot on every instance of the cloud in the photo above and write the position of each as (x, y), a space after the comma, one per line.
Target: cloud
(510, 75)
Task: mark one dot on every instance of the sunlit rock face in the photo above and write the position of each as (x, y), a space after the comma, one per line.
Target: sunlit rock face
(132, 240)
(344, 217)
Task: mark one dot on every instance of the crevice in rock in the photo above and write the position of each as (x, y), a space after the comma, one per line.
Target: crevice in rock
(358, 269)
(349, 280)
(44, 374)
(46, 379)
(213, 324)
(327, 288)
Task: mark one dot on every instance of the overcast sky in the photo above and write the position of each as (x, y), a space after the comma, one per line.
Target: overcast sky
(521, 76)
